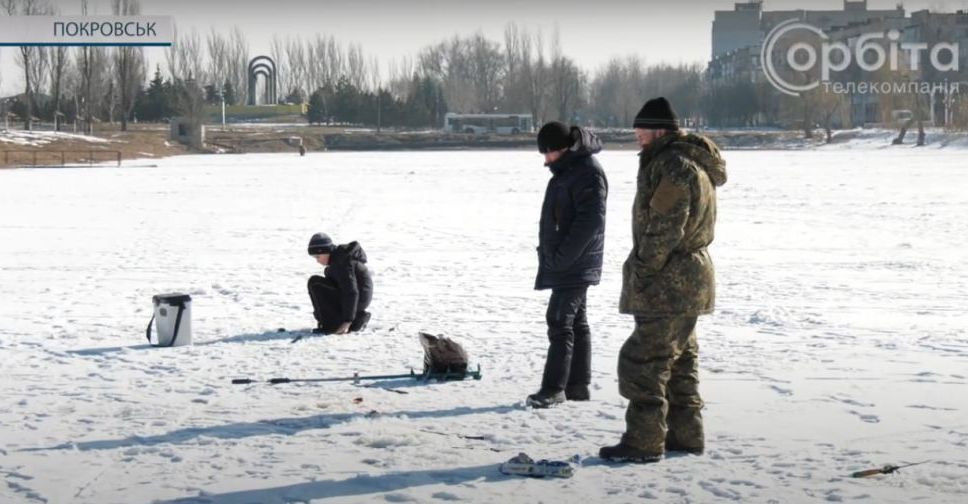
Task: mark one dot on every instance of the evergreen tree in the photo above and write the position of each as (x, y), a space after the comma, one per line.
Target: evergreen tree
(347, 103)
(156, 102)
(316, 114)
(228, 91)
(212, 95)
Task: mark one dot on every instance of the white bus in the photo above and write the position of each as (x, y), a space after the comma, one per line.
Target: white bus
(500, 124)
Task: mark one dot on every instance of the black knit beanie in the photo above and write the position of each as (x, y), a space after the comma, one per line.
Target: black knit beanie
(320, 243)
(554, 136)
(657, 114)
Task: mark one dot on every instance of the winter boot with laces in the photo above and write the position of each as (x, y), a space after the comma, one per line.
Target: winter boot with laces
(545, 399)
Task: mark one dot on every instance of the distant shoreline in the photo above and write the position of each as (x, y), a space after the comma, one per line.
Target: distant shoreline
(150, 141)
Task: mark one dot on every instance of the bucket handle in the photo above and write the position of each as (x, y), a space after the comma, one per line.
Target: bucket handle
(178, 318)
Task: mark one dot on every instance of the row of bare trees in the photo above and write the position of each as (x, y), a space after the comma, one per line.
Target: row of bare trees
(98, 79)
(528, 71)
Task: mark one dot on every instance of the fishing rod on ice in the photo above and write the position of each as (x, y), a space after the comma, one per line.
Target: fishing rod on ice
(357, 378)
(888, 469)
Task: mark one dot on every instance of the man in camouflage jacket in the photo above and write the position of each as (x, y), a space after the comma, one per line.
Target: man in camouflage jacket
(668, 282)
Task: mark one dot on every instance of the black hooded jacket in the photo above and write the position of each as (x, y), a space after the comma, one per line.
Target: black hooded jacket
(572, 231)
(347, 267)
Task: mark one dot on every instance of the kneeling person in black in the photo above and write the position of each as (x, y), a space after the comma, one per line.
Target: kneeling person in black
(340, 297)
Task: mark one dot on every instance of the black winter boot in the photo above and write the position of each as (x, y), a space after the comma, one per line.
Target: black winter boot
(577, 393)
(625, 453)
(545, 399)
(359, 324)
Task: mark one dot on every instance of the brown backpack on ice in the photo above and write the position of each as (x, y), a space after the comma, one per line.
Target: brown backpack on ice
(443, 356)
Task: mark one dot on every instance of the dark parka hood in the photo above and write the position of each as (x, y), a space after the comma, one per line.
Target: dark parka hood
(696, 148)
(584, 144)
(352, 251)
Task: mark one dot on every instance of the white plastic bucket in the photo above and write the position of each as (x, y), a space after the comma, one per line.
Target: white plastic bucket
(172, 320)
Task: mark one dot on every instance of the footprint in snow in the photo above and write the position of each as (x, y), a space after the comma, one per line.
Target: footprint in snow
(865, 417)
(782, 391)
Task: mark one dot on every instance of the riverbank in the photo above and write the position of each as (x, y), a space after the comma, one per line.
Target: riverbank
(150, 141)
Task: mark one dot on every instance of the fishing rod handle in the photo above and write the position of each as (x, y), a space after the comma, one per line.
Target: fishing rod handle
(867, 473)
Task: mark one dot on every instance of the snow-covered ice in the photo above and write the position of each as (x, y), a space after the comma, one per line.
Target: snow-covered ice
(839, 342)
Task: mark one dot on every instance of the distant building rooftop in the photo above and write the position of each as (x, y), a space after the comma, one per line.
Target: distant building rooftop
(748, 22)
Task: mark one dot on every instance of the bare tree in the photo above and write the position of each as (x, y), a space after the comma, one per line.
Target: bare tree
(535, 72)
(172, 55)
(487, 71)
(355, 69)
(606, 93)
(59, 65)
(31, 59)
(191, 105)
(129, 64)
(449, 63)
(111, 97)
(191, 57)
(335, 61)
(376, 85)
(277, 51)
(325, 63)
(400, 78)
(565, 81)
(514, 85)
(620, 87)
(297, 68)
(218, 58)
(91, 63)
(238, 62)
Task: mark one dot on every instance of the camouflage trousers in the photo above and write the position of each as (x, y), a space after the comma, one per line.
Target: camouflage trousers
(658, 372)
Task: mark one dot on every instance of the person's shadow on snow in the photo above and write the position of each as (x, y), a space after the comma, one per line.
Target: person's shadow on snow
(351, 487)
(279, 426)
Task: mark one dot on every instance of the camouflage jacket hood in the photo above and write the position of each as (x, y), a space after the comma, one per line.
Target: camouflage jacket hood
(693, 147)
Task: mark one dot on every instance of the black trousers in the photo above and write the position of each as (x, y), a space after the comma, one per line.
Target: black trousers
(327, 306)
(569, 360)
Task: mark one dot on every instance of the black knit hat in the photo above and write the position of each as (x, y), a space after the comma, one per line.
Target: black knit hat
(657, 114)
(320, 243)
(554, 136)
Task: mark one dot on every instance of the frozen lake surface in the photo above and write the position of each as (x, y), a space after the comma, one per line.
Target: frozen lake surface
(839, 343)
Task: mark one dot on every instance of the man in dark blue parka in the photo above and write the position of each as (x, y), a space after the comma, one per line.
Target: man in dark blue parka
(570, 251)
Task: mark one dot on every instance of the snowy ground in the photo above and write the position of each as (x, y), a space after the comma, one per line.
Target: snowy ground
(879, 138)
(41, 138)
(839, 343)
